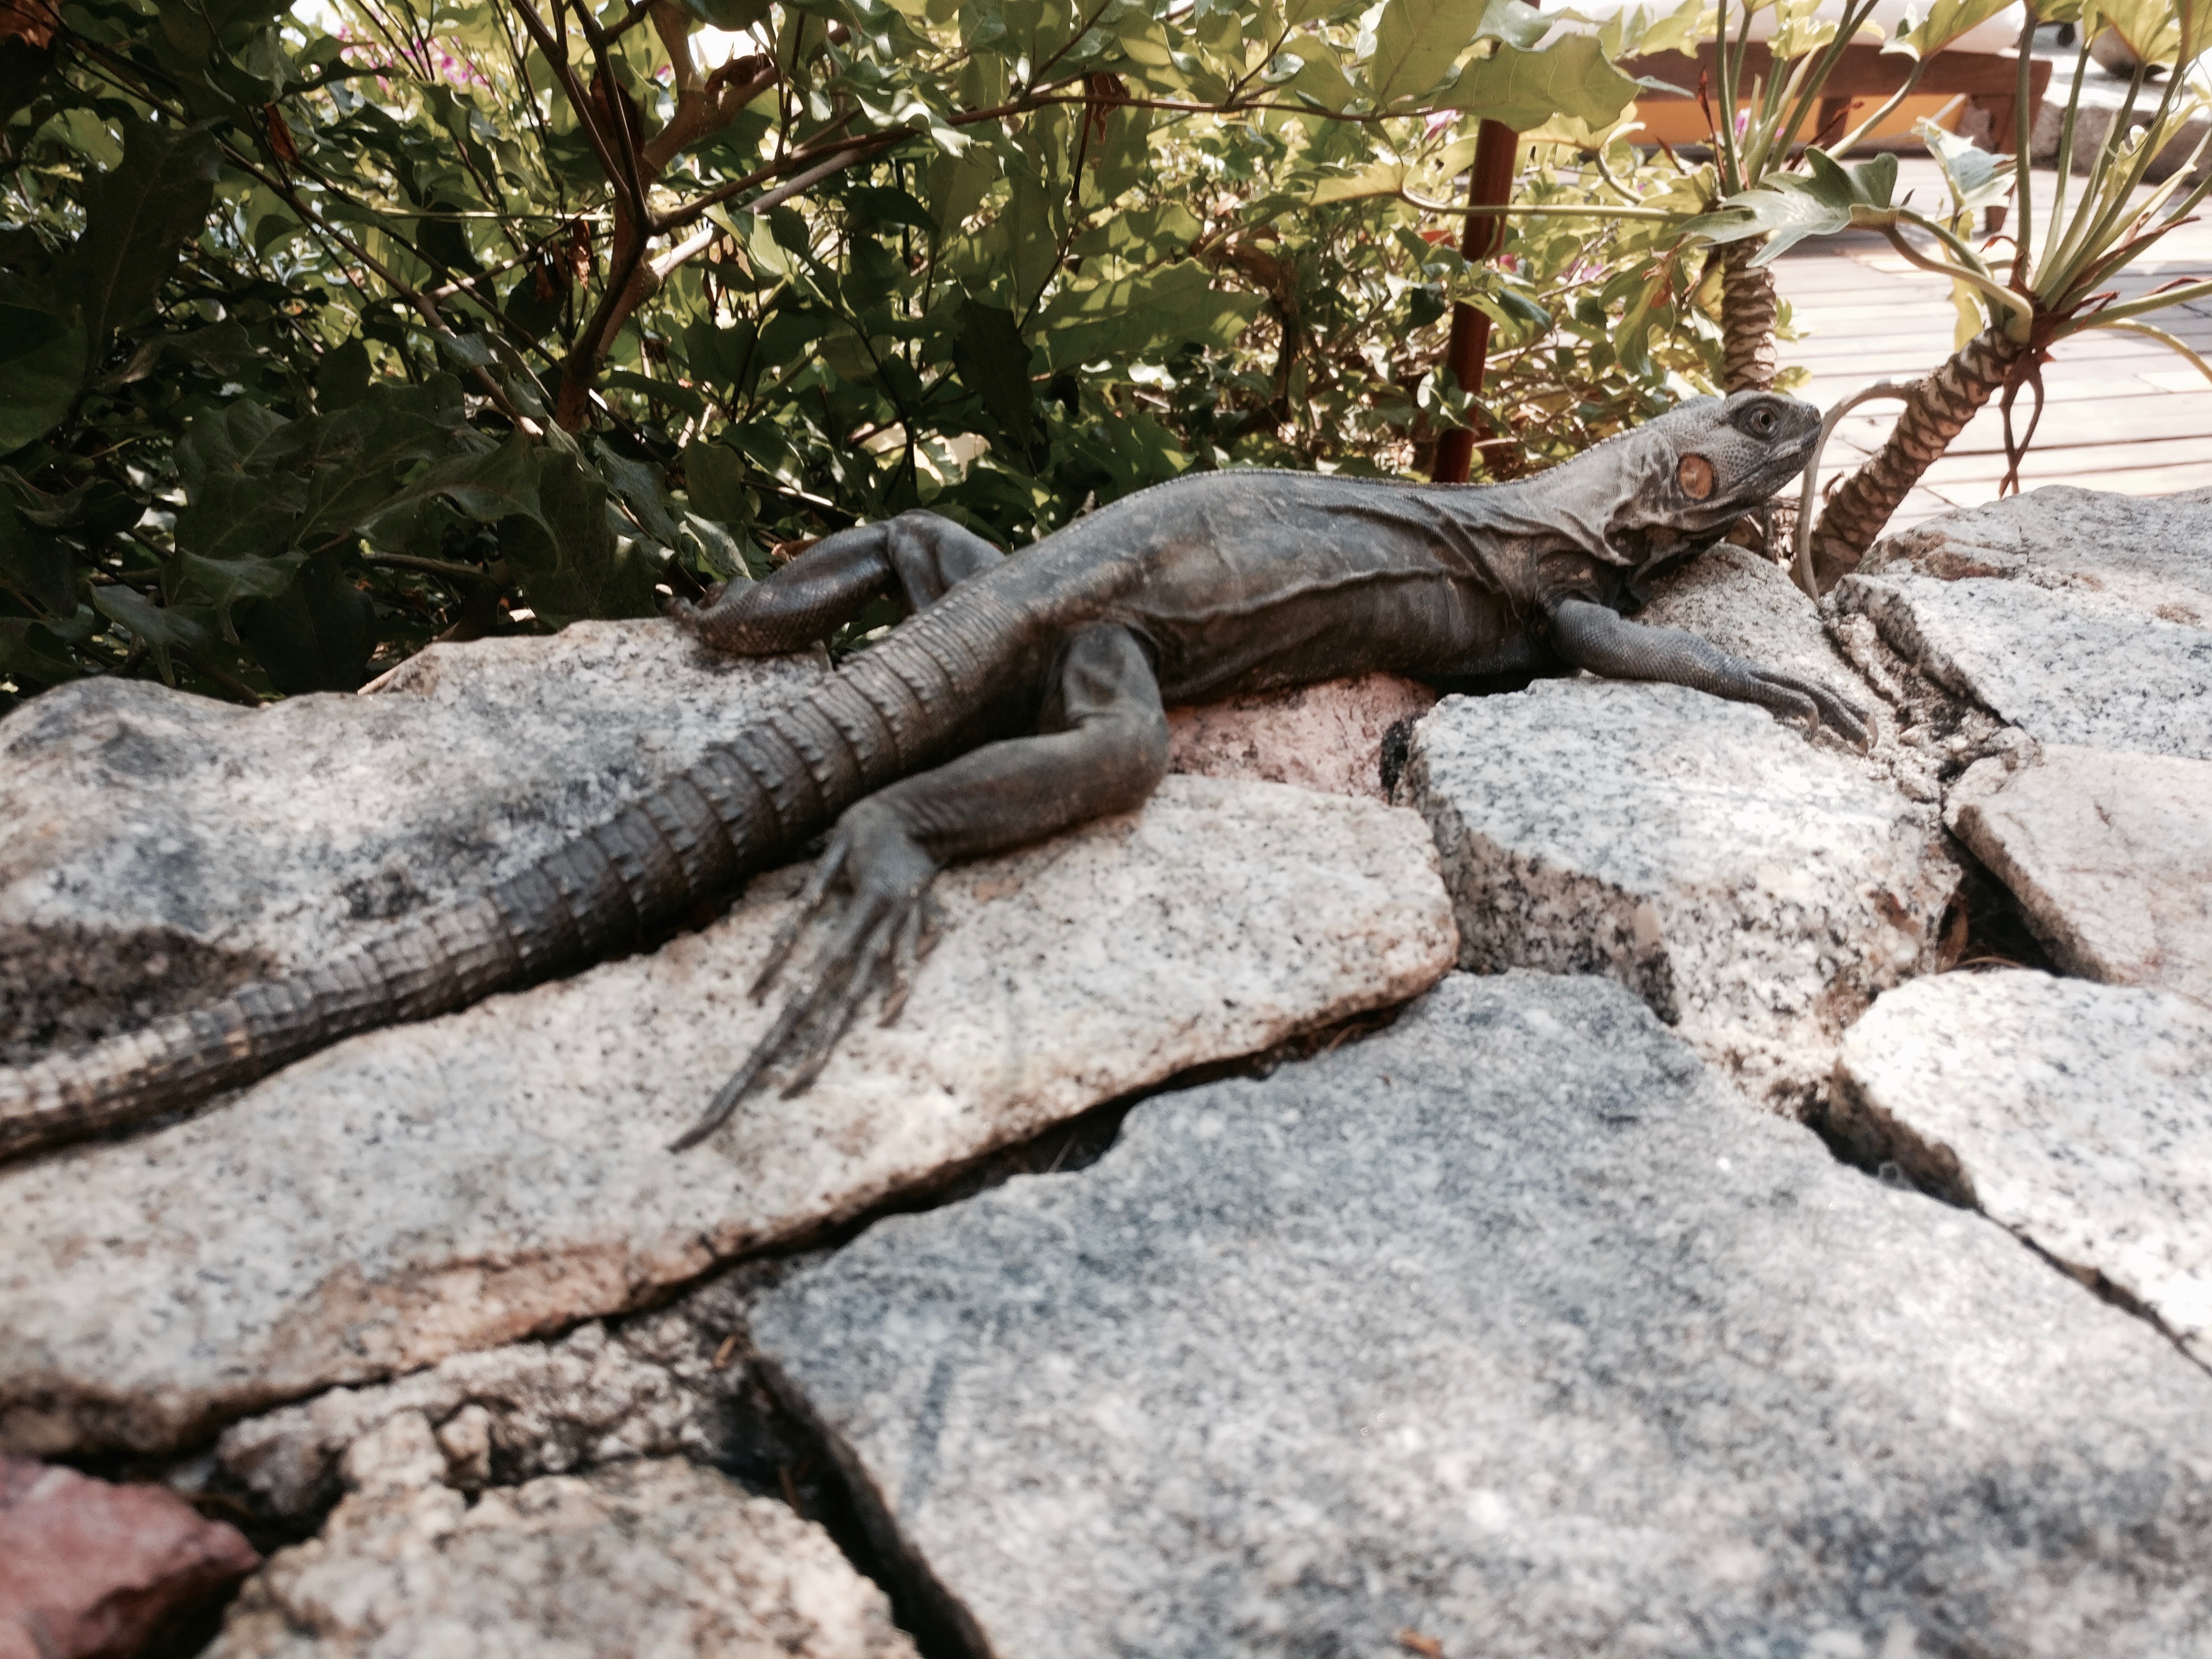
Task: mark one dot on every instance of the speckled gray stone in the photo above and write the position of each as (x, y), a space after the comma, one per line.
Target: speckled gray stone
(658, 1559)
(459, 1183)
(2152, 552)
(1507, 1328)
(530, 1408)
(1752, 887)
(2065, 666)
(163, 846)
(2109, 855)
(2079, 1116)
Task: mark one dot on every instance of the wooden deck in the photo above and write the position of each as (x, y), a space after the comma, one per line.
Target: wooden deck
(2121, 412)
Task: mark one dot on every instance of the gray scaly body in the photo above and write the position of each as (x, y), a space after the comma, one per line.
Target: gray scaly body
(1022, 696)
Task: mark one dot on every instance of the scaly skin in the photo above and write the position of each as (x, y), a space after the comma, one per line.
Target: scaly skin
(1207, 586)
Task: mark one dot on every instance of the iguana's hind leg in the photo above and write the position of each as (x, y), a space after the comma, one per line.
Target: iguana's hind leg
(1102, 748)
(920, 553)
(1591, 636)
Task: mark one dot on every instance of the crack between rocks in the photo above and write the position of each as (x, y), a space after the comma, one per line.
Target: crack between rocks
(774, 1446)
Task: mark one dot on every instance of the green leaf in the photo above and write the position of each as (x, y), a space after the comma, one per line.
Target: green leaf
(36, 563)
(1173, 306)
(1947, 20)
(163, 629)
(570, 562)
(223, 582)
(714, 478)
(1417, 41)
(316, 634)
(29, 651)
(242, 516)
(1524, 89)
(993, 360)
(642, 488)
(229, 439)
(1976, 177)
(138, 216)
(42, 360)
(1791, 207)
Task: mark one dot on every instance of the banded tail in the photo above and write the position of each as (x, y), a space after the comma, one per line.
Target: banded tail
(743, 806)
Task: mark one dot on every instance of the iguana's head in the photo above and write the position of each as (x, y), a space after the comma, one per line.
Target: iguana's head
(1707, 462)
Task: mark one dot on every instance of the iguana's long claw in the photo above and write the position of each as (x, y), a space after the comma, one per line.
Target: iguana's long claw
(899, 965)
(812, 898)
(1813, 703)
(880, 938)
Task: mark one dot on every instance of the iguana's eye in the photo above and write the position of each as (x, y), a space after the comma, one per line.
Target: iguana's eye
(1762, 422)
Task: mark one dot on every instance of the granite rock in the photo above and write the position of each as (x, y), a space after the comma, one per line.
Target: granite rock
(498, 1416)
(1511, 1331)
(502, 1171)
(2152, 552)
(1754, 888)
(2109, 856)
(658, 1558)
(92, 1570)
(1328, 737)
(2065, 666)
(1747, 604)
(2078, 1115)
(164, 847)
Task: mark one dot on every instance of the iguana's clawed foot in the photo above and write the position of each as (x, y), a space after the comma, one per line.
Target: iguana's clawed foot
(1813, 703)
(886, 928)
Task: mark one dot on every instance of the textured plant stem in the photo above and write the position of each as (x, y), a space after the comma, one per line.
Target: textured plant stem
(1936, 410)
(1748, 314)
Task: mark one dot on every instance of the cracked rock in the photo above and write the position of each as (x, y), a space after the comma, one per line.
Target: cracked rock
(2109, 856)
(2078, 1115)
(2063, 666)
(658, 1558)
(1511, 1329)
(501, 1415)
(460, 1184)
(1753, 888)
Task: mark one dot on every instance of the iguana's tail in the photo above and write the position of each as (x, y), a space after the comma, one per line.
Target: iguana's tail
(745, 806)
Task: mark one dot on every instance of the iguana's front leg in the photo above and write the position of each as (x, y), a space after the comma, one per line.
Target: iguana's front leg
(1589, 636)
(1103, 750)
(826, 586)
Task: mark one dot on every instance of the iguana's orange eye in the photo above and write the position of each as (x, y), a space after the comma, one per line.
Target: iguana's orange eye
(1695, 475)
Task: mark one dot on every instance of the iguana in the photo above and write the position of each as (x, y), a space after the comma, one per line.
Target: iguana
(1021, 696)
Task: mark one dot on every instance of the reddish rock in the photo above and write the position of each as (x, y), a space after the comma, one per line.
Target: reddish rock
(1327, 737)
(91, 1571)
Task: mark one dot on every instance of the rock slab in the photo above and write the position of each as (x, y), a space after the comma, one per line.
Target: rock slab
(2152, 552)
(1328, 737)
(463, 1182)
(657, 1557)
(1754, 888)
(164, 847)
(2109, 856)
(1511, 1330)
(2065, 666)
(92, 1571)
(2078, 1115)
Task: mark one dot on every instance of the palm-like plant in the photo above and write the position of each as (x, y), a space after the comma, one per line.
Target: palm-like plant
(1757, 121)
(2056, 282)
